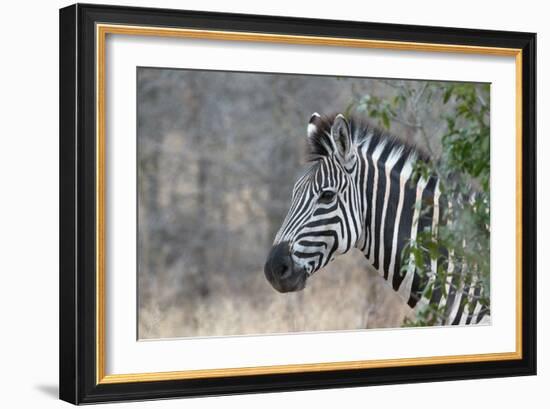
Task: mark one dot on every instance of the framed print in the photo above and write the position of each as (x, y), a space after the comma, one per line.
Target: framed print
(257, 203)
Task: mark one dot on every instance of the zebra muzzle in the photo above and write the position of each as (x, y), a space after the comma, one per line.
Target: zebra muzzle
(281, 271)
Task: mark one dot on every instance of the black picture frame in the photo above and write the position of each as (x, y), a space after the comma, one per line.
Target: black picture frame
(78, 308)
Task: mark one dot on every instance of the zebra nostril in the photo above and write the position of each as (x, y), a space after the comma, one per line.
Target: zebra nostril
(284, 269)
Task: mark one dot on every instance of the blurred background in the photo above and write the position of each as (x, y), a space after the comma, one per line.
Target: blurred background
(218, 154)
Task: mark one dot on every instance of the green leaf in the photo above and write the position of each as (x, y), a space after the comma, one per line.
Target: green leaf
(386, 120)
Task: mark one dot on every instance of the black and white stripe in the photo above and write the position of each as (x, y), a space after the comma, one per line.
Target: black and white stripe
(359, 192)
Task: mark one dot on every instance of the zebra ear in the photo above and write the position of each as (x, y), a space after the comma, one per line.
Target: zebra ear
(341, 137)
(313, 124)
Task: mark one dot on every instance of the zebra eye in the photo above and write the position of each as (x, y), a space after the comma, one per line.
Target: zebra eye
(327, 196)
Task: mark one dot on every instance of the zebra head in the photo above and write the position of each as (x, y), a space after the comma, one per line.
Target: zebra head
(323, 221)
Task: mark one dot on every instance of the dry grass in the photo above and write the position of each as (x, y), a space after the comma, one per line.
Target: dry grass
(344, 296)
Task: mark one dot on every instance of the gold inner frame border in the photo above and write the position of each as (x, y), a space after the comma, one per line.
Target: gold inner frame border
(102, 30)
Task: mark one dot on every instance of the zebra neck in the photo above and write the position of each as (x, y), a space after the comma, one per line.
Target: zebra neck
(394, 213)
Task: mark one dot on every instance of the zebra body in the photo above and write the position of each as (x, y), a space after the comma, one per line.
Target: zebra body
(360, 193)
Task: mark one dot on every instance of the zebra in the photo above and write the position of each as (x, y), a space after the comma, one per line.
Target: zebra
(360, 193)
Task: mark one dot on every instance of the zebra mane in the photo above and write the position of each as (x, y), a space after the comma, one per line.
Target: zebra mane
(362, 131)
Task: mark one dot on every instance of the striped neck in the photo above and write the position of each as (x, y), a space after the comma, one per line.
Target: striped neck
(395, 210)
